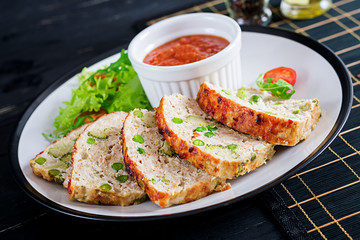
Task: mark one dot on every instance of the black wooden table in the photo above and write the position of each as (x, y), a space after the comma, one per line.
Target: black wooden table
(42, 40)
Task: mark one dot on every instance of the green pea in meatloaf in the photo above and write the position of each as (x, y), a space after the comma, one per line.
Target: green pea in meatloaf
(206, 143)
(258, 113)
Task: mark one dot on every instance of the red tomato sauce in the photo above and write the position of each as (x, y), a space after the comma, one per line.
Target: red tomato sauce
(186, 49)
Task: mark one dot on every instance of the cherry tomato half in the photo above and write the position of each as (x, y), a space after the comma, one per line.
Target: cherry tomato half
(284, 73)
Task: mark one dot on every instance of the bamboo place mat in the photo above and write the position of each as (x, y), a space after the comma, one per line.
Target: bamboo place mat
(325, 195)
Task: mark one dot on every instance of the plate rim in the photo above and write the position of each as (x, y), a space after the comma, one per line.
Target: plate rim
(324, 51)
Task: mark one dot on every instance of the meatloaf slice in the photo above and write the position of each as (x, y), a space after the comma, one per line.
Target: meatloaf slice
(98, 175)
(166, 178)
(54, 163)
(206, 143)
(258, 113)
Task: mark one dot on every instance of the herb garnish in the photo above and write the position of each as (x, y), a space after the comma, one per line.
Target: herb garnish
(280, 89)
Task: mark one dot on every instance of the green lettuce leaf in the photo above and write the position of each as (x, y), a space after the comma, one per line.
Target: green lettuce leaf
(113, 88)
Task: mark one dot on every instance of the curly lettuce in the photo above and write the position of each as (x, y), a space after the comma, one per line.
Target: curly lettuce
(113, 88)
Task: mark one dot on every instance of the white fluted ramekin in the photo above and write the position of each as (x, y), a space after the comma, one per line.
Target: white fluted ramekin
(223, 68)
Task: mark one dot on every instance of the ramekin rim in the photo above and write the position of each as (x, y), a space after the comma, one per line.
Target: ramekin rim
(235, 43)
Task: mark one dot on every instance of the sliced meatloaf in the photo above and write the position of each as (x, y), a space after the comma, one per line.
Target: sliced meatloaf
(98, 175)
(54, 163)
(166, 178)
(279, 121)
(206, 143)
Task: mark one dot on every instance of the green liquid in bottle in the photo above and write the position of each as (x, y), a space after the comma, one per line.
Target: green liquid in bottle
(304, 9)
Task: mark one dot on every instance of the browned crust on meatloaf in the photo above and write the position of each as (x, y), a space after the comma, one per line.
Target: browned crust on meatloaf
(212, 165)
(270, 128)
(164, 199)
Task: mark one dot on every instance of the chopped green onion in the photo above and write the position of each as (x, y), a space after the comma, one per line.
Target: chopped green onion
(163, 180)
(54, 172)
(138, 138)
(255, 98)
(59, 179)
(177, 120)
(304, 107)
(252, 156)
(240, 170)
(40, 160)
(270, 113)
(232, 146)
(241, 93)
(117, 166)
(198, 142)
(90, 140)
(140, 150)
(122, 178)
(226, 92)
(211, 127)
(209, 134)
(200, 129)
(105, 187)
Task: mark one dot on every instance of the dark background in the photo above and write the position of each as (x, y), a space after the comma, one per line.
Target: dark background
(42, 40)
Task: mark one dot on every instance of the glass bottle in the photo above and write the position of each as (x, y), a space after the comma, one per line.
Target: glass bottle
(304, 9)
(249, 12)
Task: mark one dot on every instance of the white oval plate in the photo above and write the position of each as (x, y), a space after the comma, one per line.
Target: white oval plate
(321, 74)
